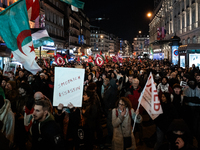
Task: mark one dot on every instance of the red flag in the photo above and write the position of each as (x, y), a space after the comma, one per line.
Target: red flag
(114, 59)
(99, 60)
(45, 63)
(33, 8)
(90, 59)
(100, 52)
(106, 59)
(11, 55)
(78, 59)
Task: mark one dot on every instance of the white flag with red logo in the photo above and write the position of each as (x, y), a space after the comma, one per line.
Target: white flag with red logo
(99, 60)
(33, 8)
(149, 99)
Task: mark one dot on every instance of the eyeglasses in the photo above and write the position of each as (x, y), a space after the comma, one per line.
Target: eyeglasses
(121, 104)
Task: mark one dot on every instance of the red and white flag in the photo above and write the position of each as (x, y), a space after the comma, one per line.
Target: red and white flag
(59, 60)
(28, 118)
(33, 8)
(149, 99)
(99, 60)
(45, 62)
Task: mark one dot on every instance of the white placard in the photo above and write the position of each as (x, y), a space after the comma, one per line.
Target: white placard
(68, 86)
(9, 66)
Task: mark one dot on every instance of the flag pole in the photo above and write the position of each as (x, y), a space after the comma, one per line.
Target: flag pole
(40, 54)
(139, 104)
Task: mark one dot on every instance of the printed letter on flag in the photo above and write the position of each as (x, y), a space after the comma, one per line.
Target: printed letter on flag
(15, 31)
(149, 99)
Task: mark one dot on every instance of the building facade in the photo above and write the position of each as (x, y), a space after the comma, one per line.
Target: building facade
(99, 40)
(141, 45)
(176, 17)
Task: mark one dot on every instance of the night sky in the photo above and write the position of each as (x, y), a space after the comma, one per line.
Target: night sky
(126, 17)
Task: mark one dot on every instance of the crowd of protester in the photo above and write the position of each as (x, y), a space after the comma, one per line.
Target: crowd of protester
(111, 93)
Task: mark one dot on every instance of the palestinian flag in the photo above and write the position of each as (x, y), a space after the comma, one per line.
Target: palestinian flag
(90, 61)
(40, 37)
(65, 59)
(101, 54)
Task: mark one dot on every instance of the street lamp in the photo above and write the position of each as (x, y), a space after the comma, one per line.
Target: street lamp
(140, 32)
(149, 15)
(101, 36)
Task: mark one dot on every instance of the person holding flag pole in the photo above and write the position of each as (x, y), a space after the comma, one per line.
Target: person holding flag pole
(122, 115)
(149, 100)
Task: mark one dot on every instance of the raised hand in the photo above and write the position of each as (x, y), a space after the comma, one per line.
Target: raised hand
(70, 105)
(60, 106)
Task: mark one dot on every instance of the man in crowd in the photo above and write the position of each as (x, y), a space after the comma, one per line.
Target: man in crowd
(46, 134)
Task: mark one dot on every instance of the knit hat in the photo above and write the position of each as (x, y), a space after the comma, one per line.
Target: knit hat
(42, 74)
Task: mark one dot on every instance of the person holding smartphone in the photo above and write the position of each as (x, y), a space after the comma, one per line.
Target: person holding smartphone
(123, 137)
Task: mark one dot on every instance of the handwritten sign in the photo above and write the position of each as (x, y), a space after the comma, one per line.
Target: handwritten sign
(68, 86)
(9, 67)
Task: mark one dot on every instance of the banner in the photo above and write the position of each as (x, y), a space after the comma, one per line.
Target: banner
(149, 99)
(9, 67)
(68, 86)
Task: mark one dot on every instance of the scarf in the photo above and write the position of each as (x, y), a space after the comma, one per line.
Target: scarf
(4, 112)
(163, 88)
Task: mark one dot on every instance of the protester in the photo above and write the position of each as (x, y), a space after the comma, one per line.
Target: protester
(91, 125)
(178, 137)
(8, 119)
(177, 99)
(164, 87)
(192, 105)
(123, 137)
(46, 134)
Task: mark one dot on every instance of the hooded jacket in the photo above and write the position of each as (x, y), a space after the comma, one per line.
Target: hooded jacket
(46, 135)
(111, 95)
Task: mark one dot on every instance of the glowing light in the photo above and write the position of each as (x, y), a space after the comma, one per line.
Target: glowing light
(149, 15)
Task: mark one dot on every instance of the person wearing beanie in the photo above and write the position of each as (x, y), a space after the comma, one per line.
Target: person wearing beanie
(7, 118)
(178, 137)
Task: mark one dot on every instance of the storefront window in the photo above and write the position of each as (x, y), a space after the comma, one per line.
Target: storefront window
(194, 39)
(188, 41)
(183, 42)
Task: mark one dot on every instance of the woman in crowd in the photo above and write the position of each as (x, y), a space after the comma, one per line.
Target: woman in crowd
(122, 115)
(164, 120)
